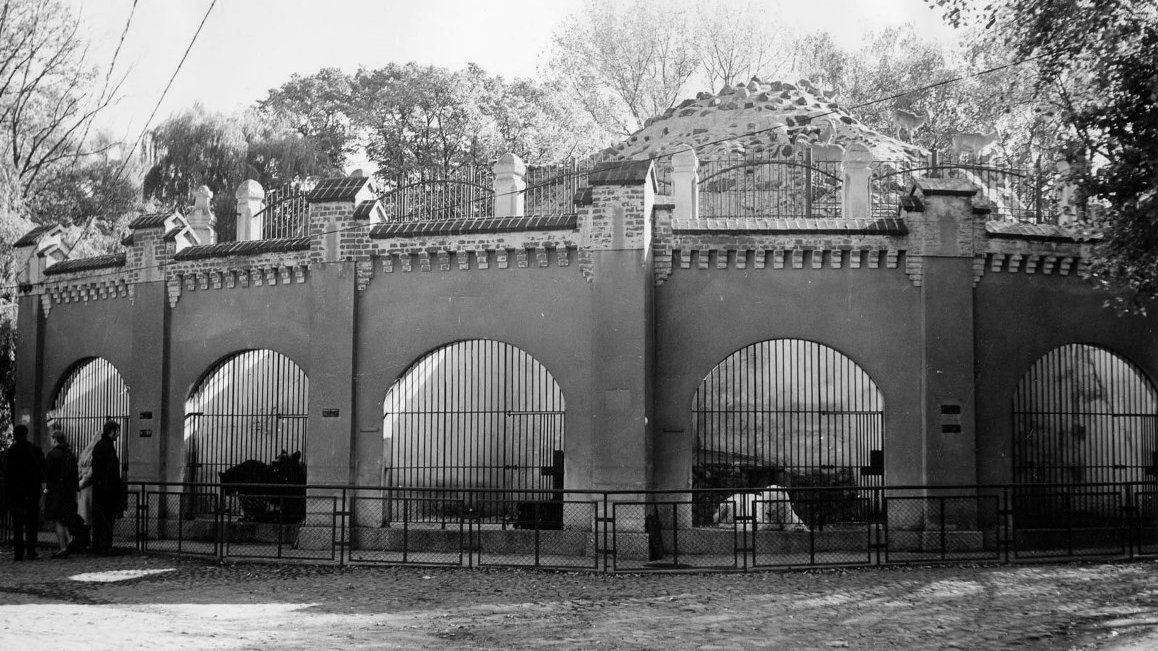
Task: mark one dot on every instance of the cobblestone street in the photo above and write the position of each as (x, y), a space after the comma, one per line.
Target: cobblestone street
(153, 602)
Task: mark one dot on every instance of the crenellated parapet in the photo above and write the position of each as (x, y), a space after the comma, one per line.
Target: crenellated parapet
(230, 265)
(947, 218)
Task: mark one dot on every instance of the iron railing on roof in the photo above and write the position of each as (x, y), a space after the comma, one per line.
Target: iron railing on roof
(286, 212)
(762, 186)
(463, 193)
(1015, 193)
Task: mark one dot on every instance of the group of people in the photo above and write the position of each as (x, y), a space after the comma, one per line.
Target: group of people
(70, 486)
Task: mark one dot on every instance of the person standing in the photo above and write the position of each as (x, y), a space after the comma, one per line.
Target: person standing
(62, 484)
(108, 502)
(23, 476)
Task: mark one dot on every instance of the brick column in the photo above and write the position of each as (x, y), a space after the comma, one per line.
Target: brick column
(616, 234)
(685, 184)
(943, 226)
(336, 247)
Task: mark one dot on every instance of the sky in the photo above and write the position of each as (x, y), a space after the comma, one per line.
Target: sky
(247, 47)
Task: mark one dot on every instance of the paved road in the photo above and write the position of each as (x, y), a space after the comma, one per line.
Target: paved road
(154, 602)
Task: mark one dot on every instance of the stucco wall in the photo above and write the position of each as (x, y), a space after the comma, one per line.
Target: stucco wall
(1021, 317)
(870, 315)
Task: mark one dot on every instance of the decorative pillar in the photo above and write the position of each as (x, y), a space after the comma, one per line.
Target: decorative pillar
(857, 195)
(250, 202)
(510, 186)
(201, 220)
(685, 181)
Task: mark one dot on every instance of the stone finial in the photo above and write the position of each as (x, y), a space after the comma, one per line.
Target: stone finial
(202, 220)
(510, 186)
(857, 192)
(250, 202)
(685, 183)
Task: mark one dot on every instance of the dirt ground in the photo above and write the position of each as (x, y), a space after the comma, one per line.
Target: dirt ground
(154, 602)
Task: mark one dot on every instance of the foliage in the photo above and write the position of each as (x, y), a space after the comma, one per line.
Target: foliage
(624, 63)
(415, 121)
(47, 96)
(1095, 60)
(318, 107)
(219, 151)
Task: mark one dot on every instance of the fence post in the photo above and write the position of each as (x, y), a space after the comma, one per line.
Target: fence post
(510, 186)
(250, 202)
(685, 180)
(856, 191)
(808, 183)
(202, 220)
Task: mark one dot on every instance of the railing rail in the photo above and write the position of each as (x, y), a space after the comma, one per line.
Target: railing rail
(642, 531)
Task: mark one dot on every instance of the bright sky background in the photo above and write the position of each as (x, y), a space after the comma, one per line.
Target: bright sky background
(250, 46)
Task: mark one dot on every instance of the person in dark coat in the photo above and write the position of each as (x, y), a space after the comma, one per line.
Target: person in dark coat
(108, 503)
(23, 476)
(62, 485)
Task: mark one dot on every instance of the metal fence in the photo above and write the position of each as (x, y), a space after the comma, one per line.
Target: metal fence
(646, 531)
(463, 193)
(770, 187)
(1015, 193)
(286, 212)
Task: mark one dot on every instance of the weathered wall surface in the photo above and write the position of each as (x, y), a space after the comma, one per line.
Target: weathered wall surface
(545, 311)
(870, 315)
(627, 307)
(1019, 318)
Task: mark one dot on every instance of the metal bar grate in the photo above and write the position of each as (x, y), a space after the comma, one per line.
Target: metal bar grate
(1081, 416)
(790, 413)
(251, 406)
(92, 393)
(476, 414)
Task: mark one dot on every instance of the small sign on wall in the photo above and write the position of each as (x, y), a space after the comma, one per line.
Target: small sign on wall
(331, 413)
(950, 418)
(146, 433)
(145, 415)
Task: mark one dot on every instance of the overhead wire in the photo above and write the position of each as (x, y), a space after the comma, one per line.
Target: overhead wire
(612, 165)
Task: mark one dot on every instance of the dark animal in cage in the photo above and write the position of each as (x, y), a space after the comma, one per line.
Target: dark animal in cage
(544, 515)
(269, 493)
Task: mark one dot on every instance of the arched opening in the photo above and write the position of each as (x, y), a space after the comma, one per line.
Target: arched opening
(250, 406)
(92, 392)
(1083, 418)
(793, 414)
(475, 414)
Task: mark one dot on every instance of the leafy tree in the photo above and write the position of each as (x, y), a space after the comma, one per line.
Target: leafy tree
(47, 96)
(319, 108)
(198, 148)
(624, 63)
(1096, 60)
(735, 43)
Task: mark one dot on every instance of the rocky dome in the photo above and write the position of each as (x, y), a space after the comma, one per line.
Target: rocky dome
(770, 119)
